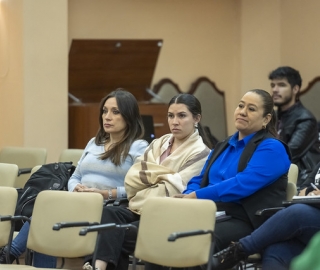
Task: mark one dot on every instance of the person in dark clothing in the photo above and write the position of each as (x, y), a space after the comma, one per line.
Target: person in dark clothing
(296, 125)
(281, 238)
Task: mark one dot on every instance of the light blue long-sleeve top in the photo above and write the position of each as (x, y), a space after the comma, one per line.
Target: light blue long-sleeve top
(269, 161)
(103, 174)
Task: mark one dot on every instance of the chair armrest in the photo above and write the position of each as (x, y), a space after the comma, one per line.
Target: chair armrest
(5, 218)
(120, 201)
(99, 228)
(173, 236)
(14, 218)
(104, 227)
(267, 212)
(115, 202)
(108, 202)
(24, 171)
(61, 225)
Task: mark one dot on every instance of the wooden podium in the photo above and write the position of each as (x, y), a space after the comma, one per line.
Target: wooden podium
(97, 67)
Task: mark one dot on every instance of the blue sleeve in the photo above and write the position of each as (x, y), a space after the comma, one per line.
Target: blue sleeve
(269, 162)
(195, 182)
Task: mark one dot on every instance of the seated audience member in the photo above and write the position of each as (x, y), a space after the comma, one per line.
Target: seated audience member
(104, 163)
(163, 170)
(236, 175)
(296, 126)
(281, 238)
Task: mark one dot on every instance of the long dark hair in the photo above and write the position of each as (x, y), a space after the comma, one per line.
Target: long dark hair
(267, 108)
(129, 109)
(194, 106)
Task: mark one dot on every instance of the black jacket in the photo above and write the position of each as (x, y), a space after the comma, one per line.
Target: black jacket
(298, 129)
(312, 179)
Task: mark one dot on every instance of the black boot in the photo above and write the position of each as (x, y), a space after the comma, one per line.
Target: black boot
(3, 256)
(229, 257)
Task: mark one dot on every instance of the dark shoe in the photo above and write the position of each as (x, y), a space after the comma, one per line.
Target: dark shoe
(229, 257)
(3, 256)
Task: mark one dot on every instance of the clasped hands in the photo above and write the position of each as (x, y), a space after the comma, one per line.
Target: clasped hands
(83, 188)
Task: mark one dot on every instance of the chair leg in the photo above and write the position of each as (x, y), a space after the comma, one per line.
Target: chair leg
(134, 263)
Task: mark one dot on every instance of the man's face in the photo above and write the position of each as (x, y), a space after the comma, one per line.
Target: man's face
(282, 93)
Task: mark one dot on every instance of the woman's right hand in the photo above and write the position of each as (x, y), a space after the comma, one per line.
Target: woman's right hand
(79, 188)
(178, 195)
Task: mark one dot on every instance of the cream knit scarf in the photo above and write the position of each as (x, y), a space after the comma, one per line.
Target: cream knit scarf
(148, 178)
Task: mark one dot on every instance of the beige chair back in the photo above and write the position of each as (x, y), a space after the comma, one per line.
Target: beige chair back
(24, 157)
(52, 207)
(35, 168)
(8, 174)
(164, 91)
(162, 216)
(291, 190)
(213, 106)
(73, 155)
(8, 201)
(293, 173)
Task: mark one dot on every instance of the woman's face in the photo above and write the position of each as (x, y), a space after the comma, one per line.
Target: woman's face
(248, 116)
(113, 122)
(181, 121)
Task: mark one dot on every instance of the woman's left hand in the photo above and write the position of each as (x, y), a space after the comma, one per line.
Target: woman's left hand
(192, 195)
(91, 190)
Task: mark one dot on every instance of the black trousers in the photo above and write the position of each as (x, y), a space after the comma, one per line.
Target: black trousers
(229, 231)
(116, 245)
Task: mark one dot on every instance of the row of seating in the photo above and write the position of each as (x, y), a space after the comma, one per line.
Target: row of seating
(291, 190)
(46, 235)
(155, 246)
(16, 163)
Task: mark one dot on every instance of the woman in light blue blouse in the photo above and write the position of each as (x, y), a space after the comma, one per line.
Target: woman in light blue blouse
(104, 163)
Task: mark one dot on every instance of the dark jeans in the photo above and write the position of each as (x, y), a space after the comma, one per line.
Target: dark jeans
(284, 235)
(115, 245)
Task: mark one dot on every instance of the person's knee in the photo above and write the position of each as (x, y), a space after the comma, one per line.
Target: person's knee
(271, 259)
(280, 255)
(109, 214)
(273, 263)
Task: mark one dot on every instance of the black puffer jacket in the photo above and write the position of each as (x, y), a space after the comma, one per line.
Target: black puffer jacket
(299, 130)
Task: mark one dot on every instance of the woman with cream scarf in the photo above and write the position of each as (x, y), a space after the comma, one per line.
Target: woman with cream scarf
(163, 171)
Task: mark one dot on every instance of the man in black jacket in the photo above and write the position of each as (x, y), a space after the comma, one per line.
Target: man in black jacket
(296, 125)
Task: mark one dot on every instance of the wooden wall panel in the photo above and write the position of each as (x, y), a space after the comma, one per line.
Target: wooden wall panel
(83, 121)
(97, 67)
